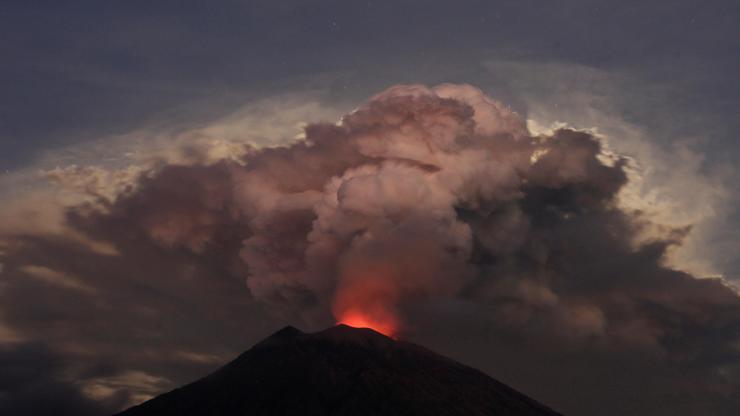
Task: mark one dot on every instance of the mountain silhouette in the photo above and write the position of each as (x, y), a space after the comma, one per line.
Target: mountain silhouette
(341, 371)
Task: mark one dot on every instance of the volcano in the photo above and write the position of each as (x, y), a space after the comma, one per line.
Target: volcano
(341, 371)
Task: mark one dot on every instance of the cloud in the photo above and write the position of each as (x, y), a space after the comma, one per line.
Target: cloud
(433, 213)
(105, 388)
(56, 278)
(671, 180)
(32, 384)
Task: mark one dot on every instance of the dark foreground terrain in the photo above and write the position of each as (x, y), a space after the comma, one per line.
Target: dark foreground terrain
(341, 371)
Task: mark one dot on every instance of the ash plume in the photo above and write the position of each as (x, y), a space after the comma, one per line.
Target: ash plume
(424, 195)
(435, 211)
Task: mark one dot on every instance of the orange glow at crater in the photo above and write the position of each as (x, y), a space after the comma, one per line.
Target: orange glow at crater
(357, 319)
(367, 296)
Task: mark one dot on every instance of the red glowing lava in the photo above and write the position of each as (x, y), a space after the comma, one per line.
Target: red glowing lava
(357, 319)
(367, 296)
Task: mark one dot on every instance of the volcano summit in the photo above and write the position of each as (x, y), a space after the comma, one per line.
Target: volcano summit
(341, 371)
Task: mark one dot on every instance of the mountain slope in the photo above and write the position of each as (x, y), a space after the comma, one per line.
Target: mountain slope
(341, 371)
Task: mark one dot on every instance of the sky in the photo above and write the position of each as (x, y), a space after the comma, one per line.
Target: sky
(178, 180)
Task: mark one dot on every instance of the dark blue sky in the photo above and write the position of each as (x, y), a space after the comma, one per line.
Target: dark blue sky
(73, 71)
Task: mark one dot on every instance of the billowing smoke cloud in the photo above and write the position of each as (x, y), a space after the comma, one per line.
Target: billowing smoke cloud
(426, 194)
(429, 194)
(435, 211)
